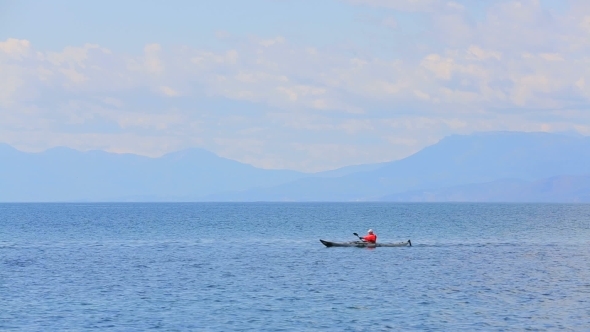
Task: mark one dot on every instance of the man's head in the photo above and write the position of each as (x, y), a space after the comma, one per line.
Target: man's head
(370, 231)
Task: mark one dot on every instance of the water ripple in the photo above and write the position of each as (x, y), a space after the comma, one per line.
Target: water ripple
(139, 268)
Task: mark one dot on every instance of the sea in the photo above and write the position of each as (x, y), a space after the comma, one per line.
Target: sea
(261, 267)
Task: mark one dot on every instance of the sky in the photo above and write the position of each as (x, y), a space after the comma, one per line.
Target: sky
(303, 85)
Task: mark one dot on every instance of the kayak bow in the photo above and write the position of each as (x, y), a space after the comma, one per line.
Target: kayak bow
(361, 244)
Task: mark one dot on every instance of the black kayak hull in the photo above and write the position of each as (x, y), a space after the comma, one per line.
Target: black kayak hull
(360, 244)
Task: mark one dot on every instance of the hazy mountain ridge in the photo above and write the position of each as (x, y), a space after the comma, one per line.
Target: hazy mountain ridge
(456, 160)
(63, 174)
(458, 168)
(561, 189)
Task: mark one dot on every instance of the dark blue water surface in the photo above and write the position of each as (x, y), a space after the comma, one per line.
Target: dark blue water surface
(260, 266)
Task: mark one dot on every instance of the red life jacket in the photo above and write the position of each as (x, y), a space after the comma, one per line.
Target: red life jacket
(370, 238)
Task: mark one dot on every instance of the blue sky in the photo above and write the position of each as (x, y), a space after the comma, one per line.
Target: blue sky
(306, 85)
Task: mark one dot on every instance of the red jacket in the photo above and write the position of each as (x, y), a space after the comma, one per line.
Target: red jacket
(370, 238)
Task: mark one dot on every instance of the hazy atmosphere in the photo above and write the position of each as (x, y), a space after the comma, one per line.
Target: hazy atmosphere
(295, 165)
(300, 85)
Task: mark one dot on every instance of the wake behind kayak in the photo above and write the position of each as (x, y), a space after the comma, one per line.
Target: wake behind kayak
(361, 244)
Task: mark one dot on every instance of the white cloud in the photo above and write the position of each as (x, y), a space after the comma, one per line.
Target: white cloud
(585, 23)
(551, 56)
(152, 59)
(389, 22)
(441, 67)
(208, 58)
(15, 48)
(44, 74)
(475, 52)
(455, 5)
(295, 92)
(159, 122)
(72, 56)
(526, 86)
(581, 83)
(222, 34)
(168, 91)
(10, 83)
(271, 42)
(421, 95)
(404, 5)
(73, 75)
(278, 102)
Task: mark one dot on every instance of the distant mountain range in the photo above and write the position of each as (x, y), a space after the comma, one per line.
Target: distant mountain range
(486, 167)
(63, 174)
(457, 160)
(558, 189)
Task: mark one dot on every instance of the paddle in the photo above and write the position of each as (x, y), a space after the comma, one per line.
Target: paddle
(357, 236)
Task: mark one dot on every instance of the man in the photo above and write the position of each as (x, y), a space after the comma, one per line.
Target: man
(371, 237)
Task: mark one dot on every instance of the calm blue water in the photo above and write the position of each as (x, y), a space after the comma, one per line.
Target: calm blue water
(255, 267)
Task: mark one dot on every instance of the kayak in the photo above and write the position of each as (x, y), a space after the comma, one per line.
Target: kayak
(361, 244)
